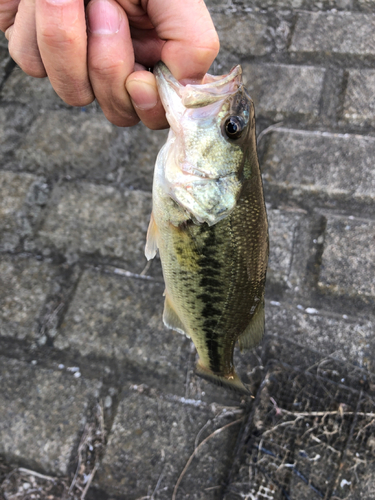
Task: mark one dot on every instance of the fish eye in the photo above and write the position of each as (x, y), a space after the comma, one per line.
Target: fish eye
(233, 127)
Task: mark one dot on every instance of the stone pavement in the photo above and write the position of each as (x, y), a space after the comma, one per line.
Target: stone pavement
(94, 392)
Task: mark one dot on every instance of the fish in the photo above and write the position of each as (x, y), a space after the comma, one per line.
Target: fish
(209, 220)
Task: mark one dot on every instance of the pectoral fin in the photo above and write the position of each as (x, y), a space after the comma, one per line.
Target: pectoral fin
(254, 331)
(171, 318)
(151, 241)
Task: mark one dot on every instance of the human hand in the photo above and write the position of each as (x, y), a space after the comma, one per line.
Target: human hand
(103, 51)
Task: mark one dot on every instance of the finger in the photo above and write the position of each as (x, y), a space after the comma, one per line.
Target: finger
(142, 89)
(191, 39)
(110, 60)
(62, 42)
(22, 45)
(8, 11)
(147, 46)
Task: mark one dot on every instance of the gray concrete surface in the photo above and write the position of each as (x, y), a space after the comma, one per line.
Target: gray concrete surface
(80, 324)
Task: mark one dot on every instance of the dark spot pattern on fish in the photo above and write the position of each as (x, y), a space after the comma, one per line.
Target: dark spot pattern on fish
(209, 263)
(179, 250)
(209, 324)
(205, 297)
(213, 351)
(211, 296)
(211, 282)
(210, 310)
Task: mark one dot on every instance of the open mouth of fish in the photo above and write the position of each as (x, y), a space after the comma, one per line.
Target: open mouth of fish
(212, 89)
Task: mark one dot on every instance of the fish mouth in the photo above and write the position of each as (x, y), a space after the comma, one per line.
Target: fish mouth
(213, 88)
(165, 78)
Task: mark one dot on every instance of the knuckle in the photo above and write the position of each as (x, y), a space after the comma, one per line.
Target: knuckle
(61, 38)
(120, 114)
(4, 25)
(31, 65)
(106, 67)
(35, 72)
(7, 16)
(117, 109)
(78, 98)
(120, 121)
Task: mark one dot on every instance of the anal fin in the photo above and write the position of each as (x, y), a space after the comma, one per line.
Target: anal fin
(254, 331)
(171, 318)
(151, 241)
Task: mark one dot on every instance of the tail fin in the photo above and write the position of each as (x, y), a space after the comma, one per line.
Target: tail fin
(232, 382)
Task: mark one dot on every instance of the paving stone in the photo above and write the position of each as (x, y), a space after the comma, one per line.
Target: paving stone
(339, 165)
(280, 89)
(24, 286)
(257, 38)
(65, 143)
(14, 121)
(135, 153)
(120, 318)
(348, 339)
(42, 414)
(366, 5)
(5, 59)
(348, 262)
(3, 41)
(25, 89)
(335, 366)
(359, 102)
(37, 93)
(280, 5)
(91, 219)
(82, 144)
(283, 230)
(339, 32)
(21, 197)
(5, 62)
(150, 443)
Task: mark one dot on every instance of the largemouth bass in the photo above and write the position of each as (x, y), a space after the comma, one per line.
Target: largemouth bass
(209, 220)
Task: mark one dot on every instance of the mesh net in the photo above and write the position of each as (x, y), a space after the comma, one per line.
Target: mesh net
(307, 437)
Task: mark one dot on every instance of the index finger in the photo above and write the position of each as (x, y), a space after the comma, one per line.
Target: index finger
(62, 41)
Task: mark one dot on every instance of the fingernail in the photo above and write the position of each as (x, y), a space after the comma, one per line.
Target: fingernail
(143, 95)
(103, 18)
